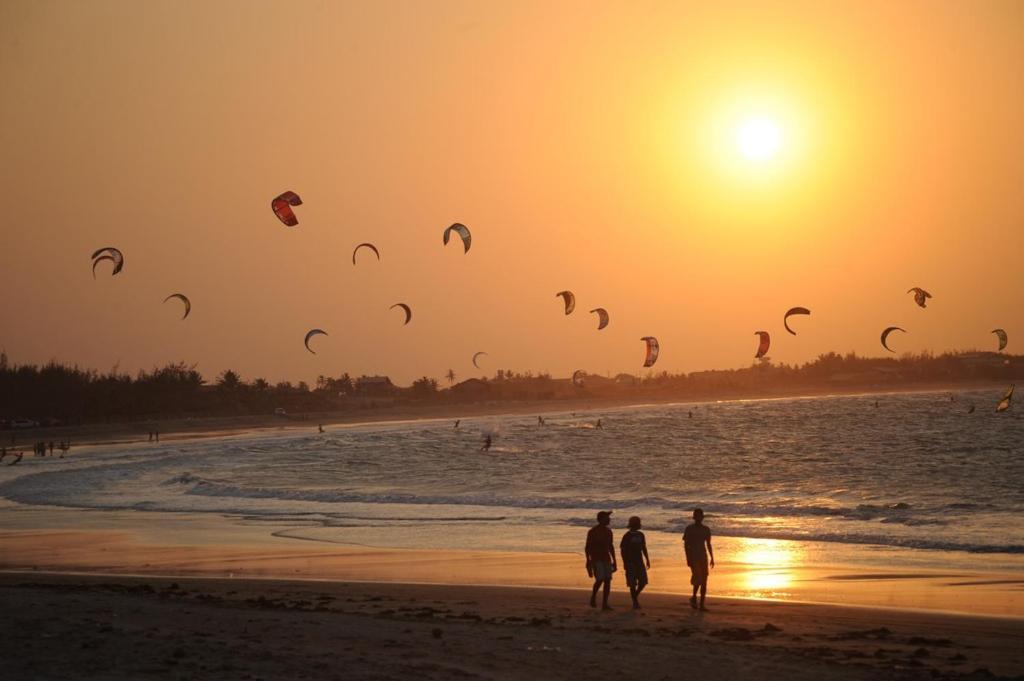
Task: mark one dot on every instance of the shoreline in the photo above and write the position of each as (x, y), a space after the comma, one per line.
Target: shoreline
(127, 627)
(184, 430)
(122, 545)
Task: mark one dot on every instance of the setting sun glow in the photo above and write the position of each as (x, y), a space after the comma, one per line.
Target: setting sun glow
(758, 139)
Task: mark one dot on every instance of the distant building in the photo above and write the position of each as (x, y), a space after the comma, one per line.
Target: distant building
(375, 386)
(471, 390)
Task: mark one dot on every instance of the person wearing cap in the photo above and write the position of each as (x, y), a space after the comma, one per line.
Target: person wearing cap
(634, 554)
(600, 550)
(696, 537)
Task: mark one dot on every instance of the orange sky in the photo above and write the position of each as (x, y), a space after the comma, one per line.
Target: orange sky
(586, 145)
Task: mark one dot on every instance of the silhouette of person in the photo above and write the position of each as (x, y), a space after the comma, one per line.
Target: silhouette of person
(689, 414)
(600, 552)
(487, 443)
(51, 447)
(320, 427)
(457, 422)
(599, 426)
(633, 548)
(696, 537)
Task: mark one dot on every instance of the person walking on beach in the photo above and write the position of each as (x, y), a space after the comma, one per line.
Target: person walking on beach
(696, 537)
(634, 556)
(600, 551)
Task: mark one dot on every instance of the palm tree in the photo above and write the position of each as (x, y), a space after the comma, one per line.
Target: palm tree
(450, 376)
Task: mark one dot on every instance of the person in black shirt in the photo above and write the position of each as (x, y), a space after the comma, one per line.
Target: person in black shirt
(634, 556)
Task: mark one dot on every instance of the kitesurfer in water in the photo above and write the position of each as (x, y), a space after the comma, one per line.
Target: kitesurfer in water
(487, 443)
(457, 422)
(598, 425)
(320, 427)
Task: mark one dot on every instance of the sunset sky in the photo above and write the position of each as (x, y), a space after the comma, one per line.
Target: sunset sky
(590, 146)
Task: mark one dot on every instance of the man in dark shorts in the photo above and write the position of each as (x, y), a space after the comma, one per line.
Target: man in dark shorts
(696, 537)
(600, 550)
(634, 554)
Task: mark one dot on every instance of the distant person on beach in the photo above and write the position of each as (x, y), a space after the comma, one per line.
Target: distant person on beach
(487, 443)
(633, 548)
(320, 427)
(599, 426)
(151, 436)
(51, 447)
(697, 545)
(600, 551)
(457, 422)
(540, 421)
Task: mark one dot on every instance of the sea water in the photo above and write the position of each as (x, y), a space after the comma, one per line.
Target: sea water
(917, 472)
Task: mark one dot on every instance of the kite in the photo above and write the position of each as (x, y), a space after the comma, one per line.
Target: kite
(100, 259)
(108, 253)
(475, 357)
(885, 334)
(282, 207)
(577, 378)
(364, 245)
(183, 298)
(920, 296)
(790, 312)
(652, 350)
(462, 231)
(408, 311)
(313, 332)
(1002, 338)
(602, 315)
(762, 347)
(570, 300)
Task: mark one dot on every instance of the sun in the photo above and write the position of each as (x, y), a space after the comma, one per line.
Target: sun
(758, 139)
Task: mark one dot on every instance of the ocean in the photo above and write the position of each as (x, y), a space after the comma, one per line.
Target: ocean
(917, 472)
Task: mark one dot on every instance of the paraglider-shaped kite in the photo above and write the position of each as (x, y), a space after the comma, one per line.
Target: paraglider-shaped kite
(313, 332)
(108, 253)
(885, 334)
(282, 207)
(762, 347)
(570, 300)
(920, 296)
(577, 378)
(462, 231)
(408, 311)
(476, 356)
(364, 245)
(183, 298)
(792, 311)
(1002, 338)
(602, 315)
(652, 350)
(1004, 403)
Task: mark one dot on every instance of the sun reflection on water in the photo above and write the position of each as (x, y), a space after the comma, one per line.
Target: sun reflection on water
(766, 565)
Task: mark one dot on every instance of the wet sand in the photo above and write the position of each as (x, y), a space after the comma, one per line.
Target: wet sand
(115, 627)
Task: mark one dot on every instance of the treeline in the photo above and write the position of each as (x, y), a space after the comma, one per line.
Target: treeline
(72, 395)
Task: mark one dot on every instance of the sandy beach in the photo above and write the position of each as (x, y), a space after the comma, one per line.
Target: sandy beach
(112, 627)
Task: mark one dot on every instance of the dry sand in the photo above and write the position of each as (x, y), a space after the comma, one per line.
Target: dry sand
(115, 627)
